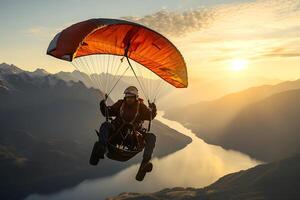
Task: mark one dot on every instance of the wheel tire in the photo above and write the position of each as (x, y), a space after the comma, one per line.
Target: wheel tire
(94, 159)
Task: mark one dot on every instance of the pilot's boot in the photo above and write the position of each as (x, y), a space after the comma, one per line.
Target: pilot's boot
(97, 153)
(146, 166)
(99, 148)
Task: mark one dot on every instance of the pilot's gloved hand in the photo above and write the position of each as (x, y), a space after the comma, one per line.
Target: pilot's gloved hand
(102, 104)
(103, 101)
(152, 106)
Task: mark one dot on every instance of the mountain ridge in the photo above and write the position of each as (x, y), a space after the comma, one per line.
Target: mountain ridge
(211, 119)
(273, 121)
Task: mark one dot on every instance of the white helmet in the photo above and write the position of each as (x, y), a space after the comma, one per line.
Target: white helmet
(131, 91)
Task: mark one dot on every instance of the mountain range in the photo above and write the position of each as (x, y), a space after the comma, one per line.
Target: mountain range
(47, 124)
(47, 132)
(260, 121)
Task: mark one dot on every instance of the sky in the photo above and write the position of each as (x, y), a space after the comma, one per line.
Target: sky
(216, 37)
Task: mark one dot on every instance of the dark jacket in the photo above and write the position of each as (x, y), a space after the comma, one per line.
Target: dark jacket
(129, 113)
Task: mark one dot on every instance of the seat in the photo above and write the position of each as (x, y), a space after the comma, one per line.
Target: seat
(119, 150)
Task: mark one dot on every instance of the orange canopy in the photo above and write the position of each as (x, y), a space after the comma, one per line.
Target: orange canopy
(120, 37)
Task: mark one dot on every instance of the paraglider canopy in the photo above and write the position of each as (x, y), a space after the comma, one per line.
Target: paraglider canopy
(122, 38)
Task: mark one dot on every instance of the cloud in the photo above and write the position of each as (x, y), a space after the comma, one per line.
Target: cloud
(284, 55)
(249, 30)
(176, 23)
(287, 51)
(246, 30)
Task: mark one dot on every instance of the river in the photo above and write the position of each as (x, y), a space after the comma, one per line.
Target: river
(198, 164)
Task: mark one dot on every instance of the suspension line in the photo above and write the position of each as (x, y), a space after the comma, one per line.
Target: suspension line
(137, 78)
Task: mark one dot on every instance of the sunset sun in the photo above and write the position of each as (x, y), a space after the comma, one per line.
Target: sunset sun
(238, 64)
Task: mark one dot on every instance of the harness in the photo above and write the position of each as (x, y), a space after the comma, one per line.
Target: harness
(135, 115)
(132, 123)
(124, 151)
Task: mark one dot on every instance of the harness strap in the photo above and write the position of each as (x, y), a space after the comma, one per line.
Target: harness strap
(135, 115)
(124, 122)
(116, 132)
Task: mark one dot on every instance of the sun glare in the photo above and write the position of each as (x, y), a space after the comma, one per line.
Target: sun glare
(238, 64)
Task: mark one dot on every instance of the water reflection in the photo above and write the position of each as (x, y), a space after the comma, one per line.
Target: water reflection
(197, 165)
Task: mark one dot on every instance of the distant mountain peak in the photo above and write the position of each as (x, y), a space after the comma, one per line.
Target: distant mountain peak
(9, 69)
(40, 72)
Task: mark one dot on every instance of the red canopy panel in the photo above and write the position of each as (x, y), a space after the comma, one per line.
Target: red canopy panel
(120, 37)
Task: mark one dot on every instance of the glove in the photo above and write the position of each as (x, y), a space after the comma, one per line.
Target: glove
(103, 101)
(102, 105)
(152, 106)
